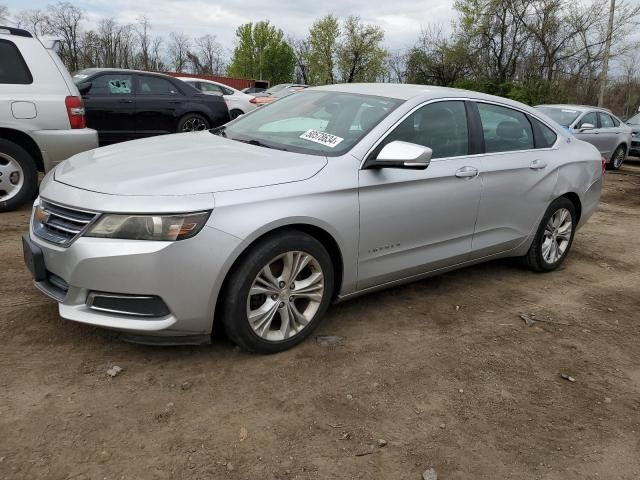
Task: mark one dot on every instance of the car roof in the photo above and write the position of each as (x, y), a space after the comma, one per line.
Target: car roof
(404, 91)
(206, 80)
(124, 70)
(580, 108)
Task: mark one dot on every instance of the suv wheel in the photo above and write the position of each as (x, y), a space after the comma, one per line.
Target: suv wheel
(235, 113)
(617, 158)
(18, 176)
(192, 122)
(554, 237)
(278, 294)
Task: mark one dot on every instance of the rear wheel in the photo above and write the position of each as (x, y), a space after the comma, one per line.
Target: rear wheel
(278, 294)
(235, 113)
(618, 157)
(18, 176)
(193, 122)
(554, 237)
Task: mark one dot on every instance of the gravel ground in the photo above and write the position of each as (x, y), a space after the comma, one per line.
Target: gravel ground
(443, 370)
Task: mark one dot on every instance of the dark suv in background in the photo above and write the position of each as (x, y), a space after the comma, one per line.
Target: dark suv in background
(128, 104)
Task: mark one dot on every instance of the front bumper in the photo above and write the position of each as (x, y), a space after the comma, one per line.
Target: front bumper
(186, 275)
(635, 148)
(58, 145)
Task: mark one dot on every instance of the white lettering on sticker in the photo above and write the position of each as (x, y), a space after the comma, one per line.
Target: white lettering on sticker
(322, 138)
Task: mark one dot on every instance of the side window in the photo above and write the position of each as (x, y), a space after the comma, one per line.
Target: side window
(441, 126)
(588, 118)
(111, 84)
(545, 137)
(210, 87)
(504, 129)
(605, 120)
(616, 122)
(13, 69)
(226, 91)
(155, 86)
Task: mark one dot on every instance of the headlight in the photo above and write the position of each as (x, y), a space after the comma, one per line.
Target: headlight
(149, 227)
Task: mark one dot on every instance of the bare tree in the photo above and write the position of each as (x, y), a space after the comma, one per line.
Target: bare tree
(301, 50)
(35, 21)
(210, 54)
(4, 14)
(178, 49)
(144, 41)
(65, 22)
(397, 66)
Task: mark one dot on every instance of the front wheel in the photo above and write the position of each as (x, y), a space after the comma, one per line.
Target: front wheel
(278, 293)
(235, 113)
(617, 158)
(18, 176)
(193, 122)
(554, 237)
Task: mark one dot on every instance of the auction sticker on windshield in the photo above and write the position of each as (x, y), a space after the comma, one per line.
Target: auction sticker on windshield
(322, 138)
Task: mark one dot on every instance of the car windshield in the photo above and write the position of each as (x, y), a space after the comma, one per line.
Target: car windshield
(635, 120)
(276, 88)
(80, 76)
(563, 116)
(313, 122)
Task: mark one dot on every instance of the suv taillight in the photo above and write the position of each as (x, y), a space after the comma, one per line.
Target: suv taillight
(75, 110)
(604, 165)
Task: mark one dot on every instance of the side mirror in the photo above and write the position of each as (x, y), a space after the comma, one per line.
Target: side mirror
(586, 126)
(84, 87)
(399, 154)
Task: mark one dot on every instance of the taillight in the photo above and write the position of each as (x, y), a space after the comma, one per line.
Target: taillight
(75, 110)
(253, 100)
(604, 165)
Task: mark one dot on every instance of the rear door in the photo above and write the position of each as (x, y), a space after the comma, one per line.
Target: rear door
(158, 105)
(519, 172)
(110, 107)
(609, 133)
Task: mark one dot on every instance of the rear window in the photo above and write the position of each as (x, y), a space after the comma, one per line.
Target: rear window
(13, 69)
(544, 136)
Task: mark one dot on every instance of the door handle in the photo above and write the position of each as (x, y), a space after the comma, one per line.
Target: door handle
(467, 172)
(125, 100)
(538, 164)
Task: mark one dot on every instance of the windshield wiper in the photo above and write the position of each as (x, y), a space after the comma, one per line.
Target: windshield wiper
(219, 131)
(258, 143)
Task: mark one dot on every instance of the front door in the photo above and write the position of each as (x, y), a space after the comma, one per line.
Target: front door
(110, 107)
(414, 221)
(158, 103)
(591, 135)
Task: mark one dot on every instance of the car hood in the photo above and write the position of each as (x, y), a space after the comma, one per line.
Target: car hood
(184, 164)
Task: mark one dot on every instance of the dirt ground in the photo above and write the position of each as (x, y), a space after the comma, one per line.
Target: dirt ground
(444, 370)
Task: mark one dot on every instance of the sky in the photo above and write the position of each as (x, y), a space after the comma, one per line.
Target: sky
(402, 20)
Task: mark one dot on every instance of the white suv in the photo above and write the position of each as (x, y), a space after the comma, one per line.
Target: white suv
(42, 118)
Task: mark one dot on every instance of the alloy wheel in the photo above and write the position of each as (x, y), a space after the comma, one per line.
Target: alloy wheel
(557, 235)
(619, 158)
(194, 124)
(285, 296)
(11, 177)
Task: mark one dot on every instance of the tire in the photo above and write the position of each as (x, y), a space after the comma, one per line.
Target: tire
(193, 122)
(618, 157)
(235, 113)
(18, 176)
(541, 259)
(270, 331)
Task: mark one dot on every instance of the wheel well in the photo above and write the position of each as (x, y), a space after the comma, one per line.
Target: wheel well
(576, 203)
(26, 142)
(318, 233)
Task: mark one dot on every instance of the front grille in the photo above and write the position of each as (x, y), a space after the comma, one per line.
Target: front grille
(58, 224)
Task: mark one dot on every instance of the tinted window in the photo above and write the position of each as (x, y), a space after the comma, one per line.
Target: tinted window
(111, 84)
(441, 126)
(606, 121)
(155, 86)
(504, 129)
(545, 137)
(588, 118)
(616, 122)
(13, 69)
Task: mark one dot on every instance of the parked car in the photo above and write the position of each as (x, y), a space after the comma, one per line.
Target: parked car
(277, 91)
(128, 104)
(237, 102)
(634, 124)
(253, 90)
(597, 126)
(331, 193)
(42, 118)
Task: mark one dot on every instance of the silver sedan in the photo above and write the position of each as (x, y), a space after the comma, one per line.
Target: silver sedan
(331, 193)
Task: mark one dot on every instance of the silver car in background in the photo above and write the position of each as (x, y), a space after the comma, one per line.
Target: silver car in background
(327, 194)
(598, 126)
